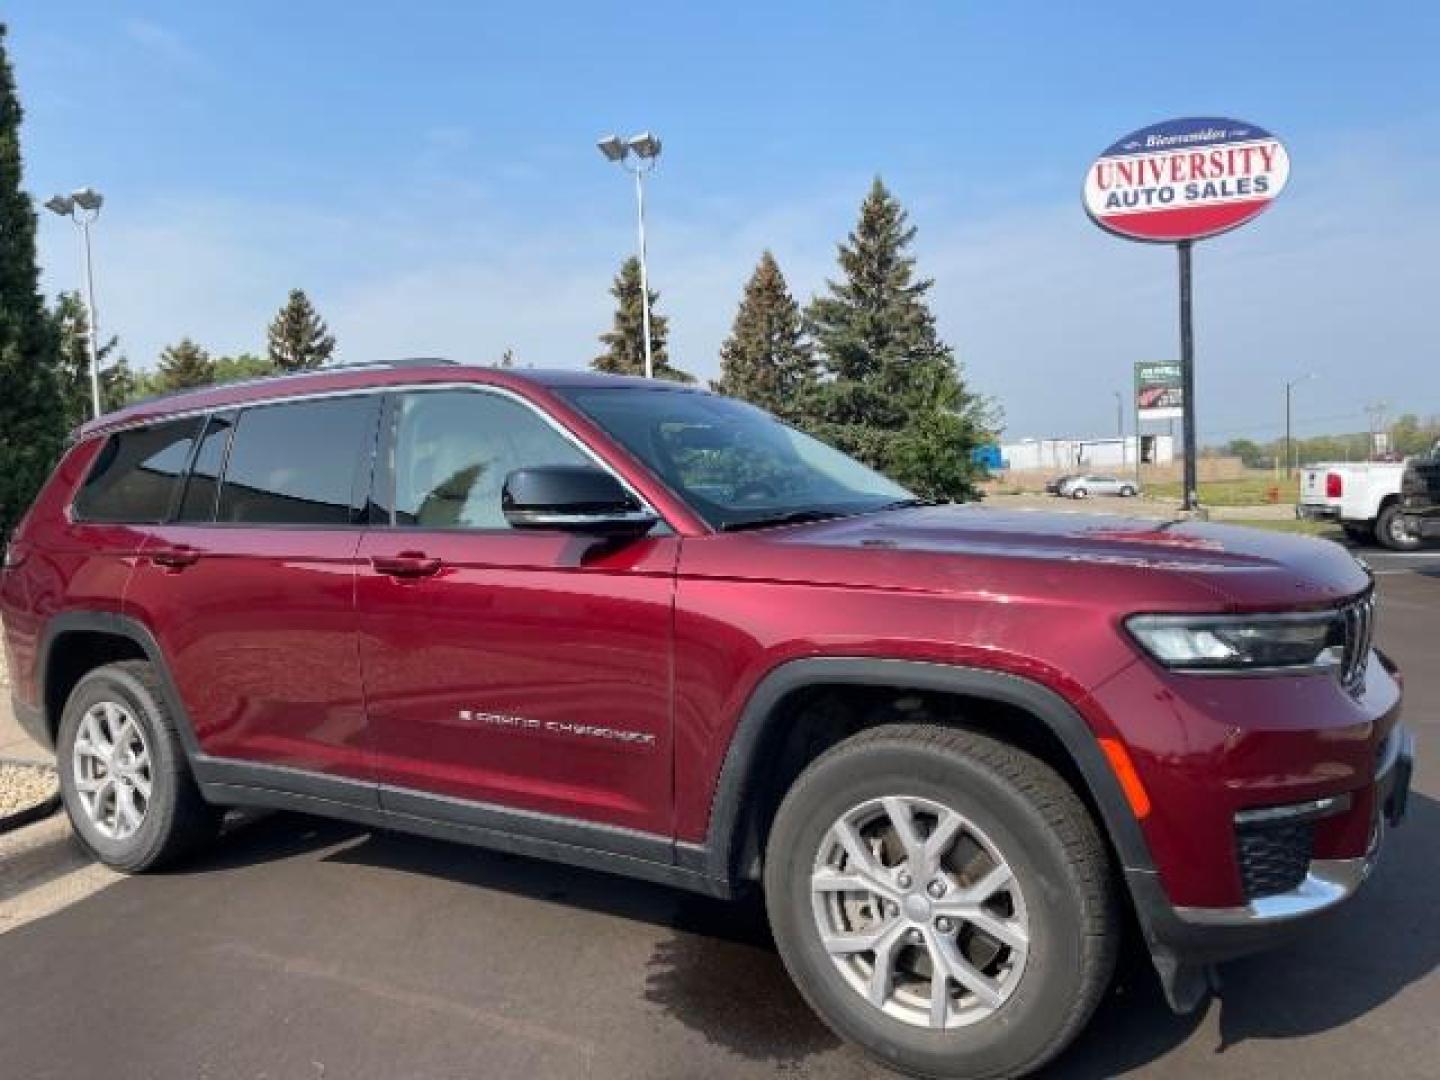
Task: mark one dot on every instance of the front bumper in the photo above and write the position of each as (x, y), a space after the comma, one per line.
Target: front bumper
(1329, 882)
(1185, 941)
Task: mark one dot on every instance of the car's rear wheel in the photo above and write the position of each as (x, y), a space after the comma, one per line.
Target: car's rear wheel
(1392, 531)
(942, 899)
(1127, 491)
(1079, 493)
(124, 777)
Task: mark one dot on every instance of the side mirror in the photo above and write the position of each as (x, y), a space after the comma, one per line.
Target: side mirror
(572, 498)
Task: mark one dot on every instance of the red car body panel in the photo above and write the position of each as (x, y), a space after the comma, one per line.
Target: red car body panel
(289, 648)
(521, 628)
(260, 633)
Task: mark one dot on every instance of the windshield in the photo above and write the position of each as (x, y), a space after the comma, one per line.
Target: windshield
(736, 465)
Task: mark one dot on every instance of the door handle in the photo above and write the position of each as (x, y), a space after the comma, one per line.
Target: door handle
(175, 558)
(407, 564)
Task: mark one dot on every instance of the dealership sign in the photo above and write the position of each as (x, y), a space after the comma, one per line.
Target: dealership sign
(1159, 391)
(1185, 179)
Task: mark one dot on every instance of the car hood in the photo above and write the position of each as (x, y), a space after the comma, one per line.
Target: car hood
(1244, 567)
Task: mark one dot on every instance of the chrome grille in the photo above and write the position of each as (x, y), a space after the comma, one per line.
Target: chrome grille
(1357, 620)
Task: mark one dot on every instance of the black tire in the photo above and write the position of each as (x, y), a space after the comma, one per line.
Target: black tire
(1043, 831)
(1079, 493)
(1127, 492)
(1390, 530)
(177, 819)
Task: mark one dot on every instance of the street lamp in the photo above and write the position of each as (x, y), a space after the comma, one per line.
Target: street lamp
(644, 151)
(83, 207)
(1289, 442)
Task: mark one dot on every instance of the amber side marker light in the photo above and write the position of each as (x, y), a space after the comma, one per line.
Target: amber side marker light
(1135, 793)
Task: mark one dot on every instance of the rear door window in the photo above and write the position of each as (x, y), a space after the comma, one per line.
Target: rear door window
(198, 502)
(137, 474)
(300, 463)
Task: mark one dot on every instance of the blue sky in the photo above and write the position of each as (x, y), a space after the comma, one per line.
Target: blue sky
(427, 173)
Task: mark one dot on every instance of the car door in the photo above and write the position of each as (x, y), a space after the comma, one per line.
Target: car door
(249, 585)
(508, 668)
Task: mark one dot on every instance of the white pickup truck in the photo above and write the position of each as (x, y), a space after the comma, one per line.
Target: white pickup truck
(1363, 498)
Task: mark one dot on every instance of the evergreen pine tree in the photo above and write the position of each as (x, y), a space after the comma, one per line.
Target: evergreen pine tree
(625, 342)
(767, 360)
(32, 410)
(895, 397)
(117, 381)
(184, 365)
(299, 338)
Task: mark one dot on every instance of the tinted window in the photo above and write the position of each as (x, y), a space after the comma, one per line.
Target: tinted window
(136, 473)
(453, 450)
(298, 464)
(198, 502)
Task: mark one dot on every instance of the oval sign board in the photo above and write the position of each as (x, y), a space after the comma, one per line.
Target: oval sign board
(1185, 179)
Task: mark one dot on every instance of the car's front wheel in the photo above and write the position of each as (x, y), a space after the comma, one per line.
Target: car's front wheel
(1079, 493)
(124, 778)
(942, 899)
(1127, 492)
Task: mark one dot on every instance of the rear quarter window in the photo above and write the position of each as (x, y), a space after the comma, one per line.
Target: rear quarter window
(136, 475)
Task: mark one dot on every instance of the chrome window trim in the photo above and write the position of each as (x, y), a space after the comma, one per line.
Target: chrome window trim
(381, 390)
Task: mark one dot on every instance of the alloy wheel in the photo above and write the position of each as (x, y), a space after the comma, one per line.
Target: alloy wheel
(920, 912)
(111, 763)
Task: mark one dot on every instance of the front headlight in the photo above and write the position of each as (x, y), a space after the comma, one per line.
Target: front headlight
(1240, 642)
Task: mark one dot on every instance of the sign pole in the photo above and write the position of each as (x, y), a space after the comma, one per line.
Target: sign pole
(1187, 375)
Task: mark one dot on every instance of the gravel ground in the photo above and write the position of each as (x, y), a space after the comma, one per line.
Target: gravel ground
(24, 786)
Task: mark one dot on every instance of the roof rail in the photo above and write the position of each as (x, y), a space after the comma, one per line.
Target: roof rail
(400, 362)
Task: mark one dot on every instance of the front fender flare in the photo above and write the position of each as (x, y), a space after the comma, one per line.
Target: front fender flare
(721, 851)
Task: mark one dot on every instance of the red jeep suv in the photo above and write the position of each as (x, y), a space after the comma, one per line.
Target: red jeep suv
(654, 631)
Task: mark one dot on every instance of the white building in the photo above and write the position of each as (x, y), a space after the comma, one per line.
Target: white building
(1089, 454)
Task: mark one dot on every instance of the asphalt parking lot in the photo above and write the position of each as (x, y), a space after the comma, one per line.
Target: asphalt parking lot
(305, 949)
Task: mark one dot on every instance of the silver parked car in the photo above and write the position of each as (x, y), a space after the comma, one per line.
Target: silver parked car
(1082, 487)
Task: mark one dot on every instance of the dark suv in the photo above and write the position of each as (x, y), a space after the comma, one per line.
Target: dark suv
(650, 630)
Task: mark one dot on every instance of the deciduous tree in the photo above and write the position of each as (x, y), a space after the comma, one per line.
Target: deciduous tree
(117, 381)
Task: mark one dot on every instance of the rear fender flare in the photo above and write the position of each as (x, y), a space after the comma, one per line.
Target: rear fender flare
(109, 622)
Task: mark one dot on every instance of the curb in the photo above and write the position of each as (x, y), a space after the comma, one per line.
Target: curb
(29, 814)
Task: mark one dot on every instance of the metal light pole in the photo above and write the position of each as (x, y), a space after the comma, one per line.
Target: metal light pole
(1289, 442)
(1120, 422)
(83, 207)
(645, 149)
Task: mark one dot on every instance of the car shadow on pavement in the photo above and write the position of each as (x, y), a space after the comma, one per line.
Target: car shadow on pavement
(715, 969)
